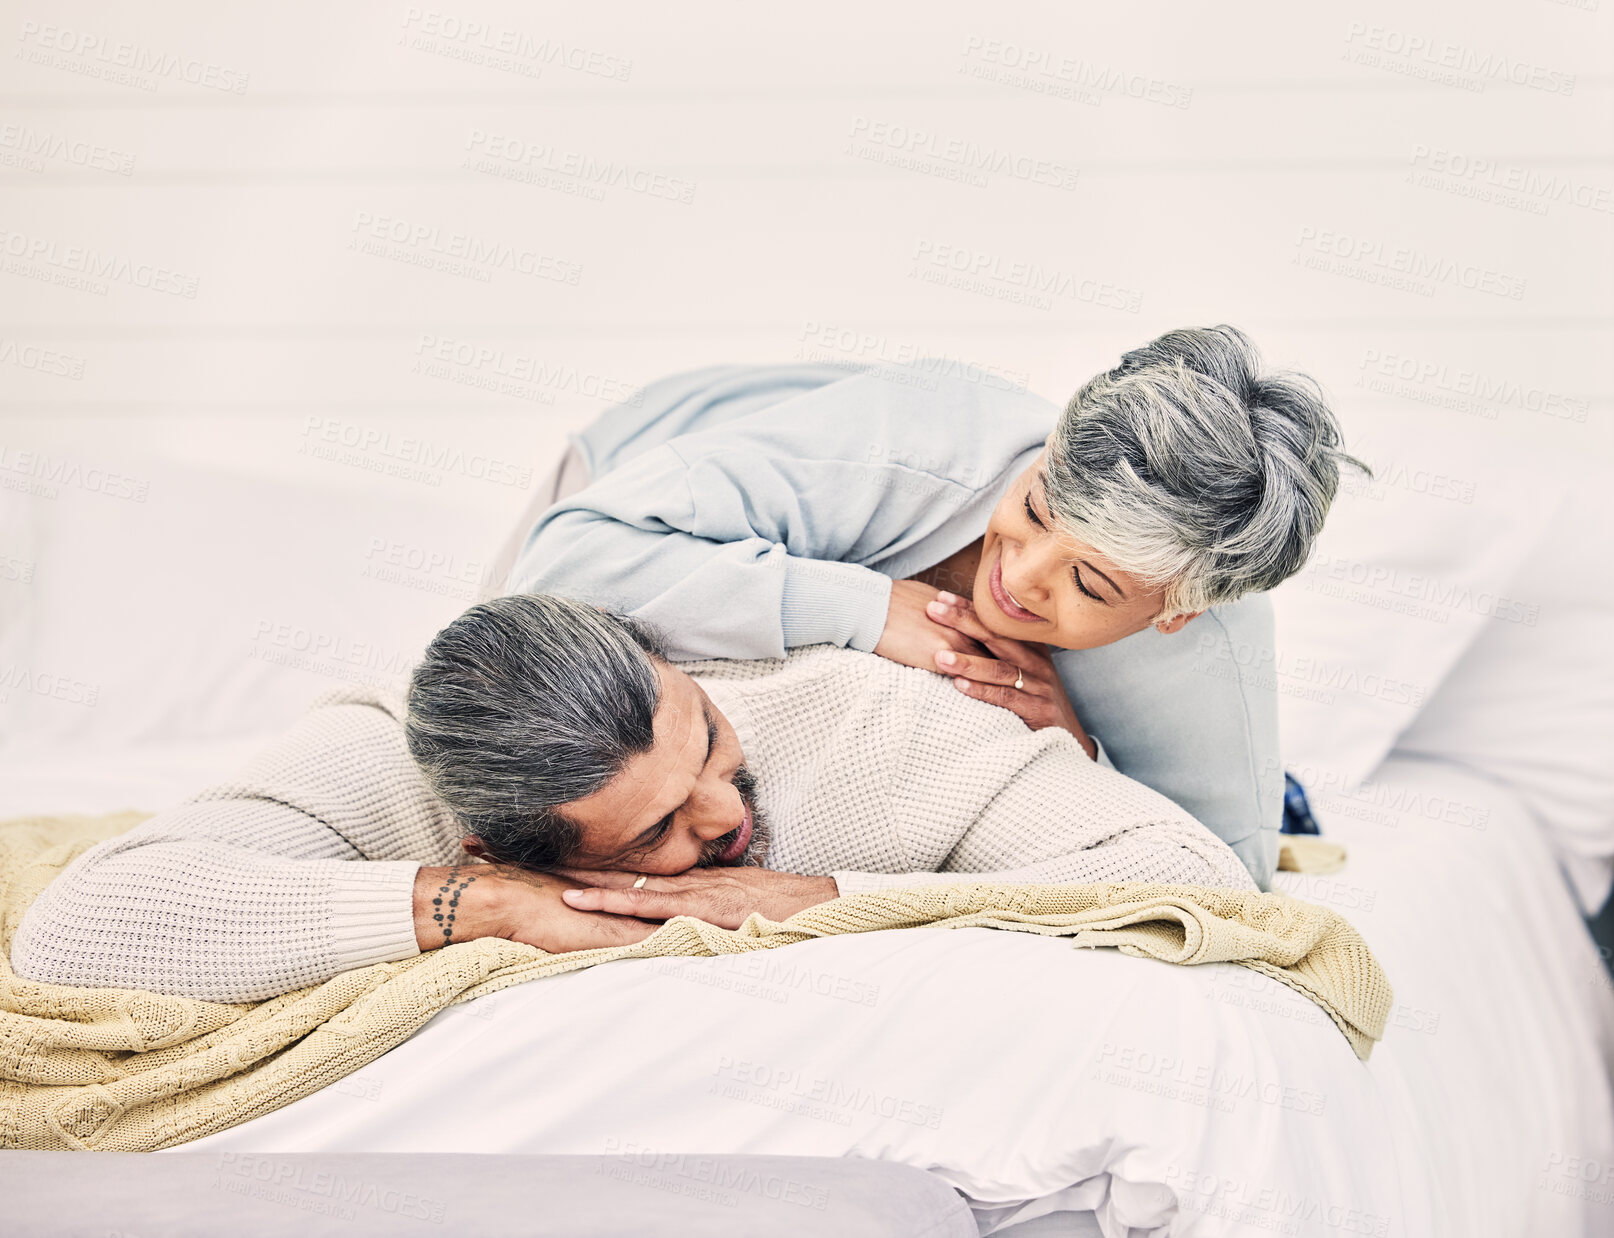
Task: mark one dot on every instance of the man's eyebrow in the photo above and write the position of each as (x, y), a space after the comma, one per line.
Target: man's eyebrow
(711, 730)
(649, 835)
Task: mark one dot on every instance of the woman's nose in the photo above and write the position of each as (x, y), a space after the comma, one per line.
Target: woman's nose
(1027, 576)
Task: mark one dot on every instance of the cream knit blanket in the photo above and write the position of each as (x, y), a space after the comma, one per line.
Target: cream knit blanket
(122, 1070)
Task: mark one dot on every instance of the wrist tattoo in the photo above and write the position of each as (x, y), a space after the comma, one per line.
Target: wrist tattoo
(447, 904)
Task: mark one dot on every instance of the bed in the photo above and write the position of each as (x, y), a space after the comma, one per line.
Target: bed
(1076, 1092)
(1063, 1091)
(1059, 1091)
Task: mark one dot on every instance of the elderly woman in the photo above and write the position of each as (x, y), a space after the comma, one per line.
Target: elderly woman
(1098, 570)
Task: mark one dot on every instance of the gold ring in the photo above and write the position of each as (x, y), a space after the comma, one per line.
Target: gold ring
(639, 884)
(1020, 682)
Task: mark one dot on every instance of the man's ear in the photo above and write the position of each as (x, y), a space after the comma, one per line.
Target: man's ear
(472, 846)
(1178, 623)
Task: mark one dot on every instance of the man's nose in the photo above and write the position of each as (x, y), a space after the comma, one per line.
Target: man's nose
(715, 811)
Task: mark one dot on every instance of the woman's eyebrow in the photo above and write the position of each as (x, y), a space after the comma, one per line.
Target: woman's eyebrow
(1042, 483)
(1119, 595)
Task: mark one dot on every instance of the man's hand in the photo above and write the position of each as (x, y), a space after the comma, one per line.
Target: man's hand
(500, 900)
(720, 896)
(990, 675)
(912, 636)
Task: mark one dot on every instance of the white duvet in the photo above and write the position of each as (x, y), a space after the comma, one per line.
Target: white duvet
(1124, 1095)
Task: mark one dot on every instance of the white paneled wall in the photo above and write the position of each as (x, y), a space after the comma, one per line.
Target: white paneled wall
(229, 239)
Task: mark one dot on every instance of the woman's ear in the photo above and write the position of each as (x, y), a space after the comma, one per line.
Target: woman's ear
(1178, 623)
(472, 846)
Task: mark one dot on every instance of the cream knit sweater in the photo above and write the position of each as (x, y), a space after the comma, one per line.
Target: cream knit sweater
(304, 866)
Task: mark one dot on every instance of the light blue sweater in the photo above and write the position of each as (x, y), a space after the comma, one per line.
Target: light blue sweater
(746, 510)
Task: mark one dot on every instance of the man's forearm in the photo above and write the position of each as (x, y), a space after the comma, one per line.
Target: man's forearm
(198, 918)
(458, 902)
(202, 919)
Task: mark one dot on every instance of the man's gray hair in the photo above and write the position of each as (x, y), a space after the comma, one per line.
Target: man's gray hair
(1189, 466)
(525, 703)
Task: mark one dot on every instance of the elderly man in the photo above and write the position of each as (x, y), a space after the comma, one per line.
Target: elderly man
(558, 781)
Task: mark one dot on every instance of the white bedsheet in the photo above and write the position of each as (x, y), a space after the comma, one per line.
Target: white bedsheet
(1038, 1079)
(1014, 1066)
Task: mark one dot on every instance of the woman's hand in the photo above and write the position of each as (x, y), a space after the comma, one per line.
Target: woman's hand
(721, 896)
(991, 675)
(912, 635)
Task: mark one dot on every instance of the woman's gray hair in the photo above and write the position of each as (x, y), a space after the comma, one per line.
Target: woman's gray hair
(1190, 467)
(526, 703)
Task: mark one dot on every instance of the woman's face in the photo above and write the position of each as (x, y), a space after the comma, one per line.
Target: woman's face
(1036, 583)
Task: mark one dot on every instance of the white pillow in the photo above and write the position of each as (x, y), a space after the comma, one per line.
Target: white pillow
(223, 602)
(1411, 567)
(1531, 703)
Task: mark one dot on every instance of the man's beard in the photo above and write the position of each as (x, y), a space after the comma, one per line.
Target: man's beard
(756, 851)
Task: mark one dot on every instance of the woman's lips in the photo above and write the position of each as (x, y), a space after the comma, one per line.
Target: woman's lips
(742, 840)
(1000, 595)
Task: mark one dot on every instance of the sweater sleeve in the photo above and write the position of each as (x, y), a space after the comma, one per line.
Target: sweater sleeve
(301, 869)
(991, 800)
(634, 541)
(785, 527)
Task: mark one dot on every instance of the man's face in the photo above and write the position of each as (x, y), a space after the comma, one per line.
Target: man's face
(687, 802)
